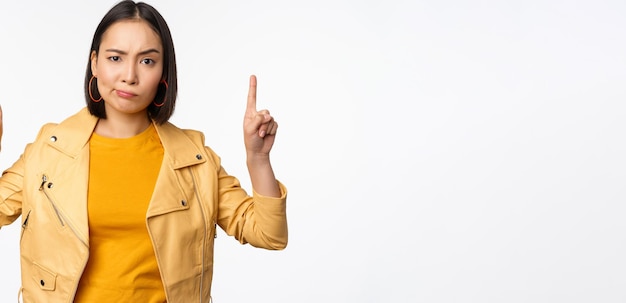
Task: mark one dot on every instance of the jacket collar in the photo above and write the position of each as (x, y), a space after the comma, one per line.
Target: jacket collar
(71, 136)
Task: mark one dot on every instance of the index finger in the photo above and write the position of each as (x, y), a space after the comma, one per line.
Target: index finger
(252, 94)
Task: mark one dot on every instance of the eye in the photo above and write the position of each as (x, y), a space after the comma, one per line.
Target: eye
(147, 61)
(114, 58)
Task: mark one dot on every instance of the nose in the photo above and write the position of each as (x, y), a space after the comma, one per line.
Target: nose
(129, 75)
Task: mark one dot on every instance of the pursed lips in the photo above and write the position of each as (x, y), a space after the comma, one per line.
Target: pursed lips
(124, 94)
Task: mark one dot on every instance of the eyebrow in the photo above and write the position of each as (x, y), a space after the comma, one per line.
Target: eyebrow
(121, 52)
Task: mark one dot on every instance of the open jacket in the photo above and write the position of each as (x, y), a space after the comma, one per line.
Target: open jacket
(47, 186)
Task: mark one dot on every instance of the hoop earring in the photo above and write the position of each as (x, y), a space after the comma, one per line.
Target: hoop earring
(89, 90)
(164, 98)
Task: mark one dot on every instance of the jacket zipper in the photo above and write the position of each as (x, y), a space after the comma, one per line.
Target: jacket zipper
(195, 190)
(25, 225)
(43, 188)
(44, 180)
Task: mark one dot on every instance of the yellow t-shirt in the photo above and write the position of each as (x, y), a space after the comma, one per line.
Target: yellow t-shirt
(122, 266)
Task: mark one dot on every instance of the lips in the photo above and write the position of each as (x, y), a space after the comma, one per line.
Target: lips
(124, 94)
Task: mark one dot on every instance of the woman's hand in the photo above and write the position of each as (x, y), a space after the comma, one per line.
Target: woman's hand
(259, 131)
(259, 127)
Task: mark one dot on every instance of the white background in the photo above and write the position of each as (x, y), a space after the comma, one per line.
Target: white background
(434, 151)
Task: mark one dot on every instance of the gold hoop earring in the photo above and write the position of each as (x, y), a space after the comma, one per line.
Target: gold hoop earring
(89, 90)
(164, 98)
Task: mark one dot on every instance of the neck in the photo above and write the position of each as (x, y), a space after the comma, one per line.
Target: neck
(122, 126)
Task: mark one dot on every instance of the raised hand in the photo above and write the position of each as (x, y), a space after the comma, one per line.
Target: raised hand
(259, 127)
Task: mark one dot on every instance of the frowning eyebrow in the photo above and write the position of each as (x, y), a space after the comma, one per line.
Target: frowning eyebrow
(145, 52)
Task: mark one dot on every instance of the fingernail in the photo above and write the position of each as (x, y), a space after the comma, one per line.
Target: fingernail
(262, 134)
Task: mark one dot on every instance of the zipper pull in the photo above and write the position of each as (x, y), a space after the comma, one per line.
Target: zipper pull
(25, 224)
(44, 179)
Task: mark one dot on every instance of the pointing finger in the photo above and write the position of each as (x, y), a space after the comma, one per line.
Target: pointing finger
(252, 95)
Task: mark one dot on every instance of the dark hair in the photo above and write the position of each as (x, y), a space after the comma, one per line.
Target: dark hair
(129, 10)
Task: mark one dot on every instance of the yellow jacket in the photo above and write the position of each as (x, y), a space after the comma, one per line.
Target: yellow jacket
(47, 186)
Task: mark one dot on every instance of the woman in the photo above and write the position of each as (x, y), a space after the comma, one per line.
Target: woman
(119, 205)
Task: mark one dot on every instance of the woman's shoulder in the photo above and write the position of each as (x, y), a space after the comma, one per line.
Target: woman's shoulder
(70, 133)
(171, 133)
(82, 120)
(169, 129)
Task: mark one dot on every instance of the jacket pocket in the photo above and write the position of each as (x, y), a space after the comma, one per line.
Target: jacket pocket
(45, 278)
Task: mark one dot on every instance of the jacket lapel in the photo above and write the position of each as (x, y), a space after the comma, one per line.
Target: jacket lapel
(70, 174)
(173, 186)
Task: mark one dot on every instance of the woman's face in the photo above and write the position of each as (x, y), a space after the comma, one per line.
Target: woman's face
(128, 67)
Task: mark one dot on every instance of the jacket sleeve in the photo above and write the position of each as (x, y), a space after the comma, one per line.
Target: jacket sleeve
(11, 192)
(258, 220)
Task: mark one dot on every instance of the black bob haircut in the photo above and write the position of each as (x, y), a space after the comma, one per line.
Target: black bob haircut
(129, 10)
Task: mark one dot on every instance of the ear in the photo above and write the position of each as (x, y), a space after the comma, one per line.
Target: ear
(94, 63)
